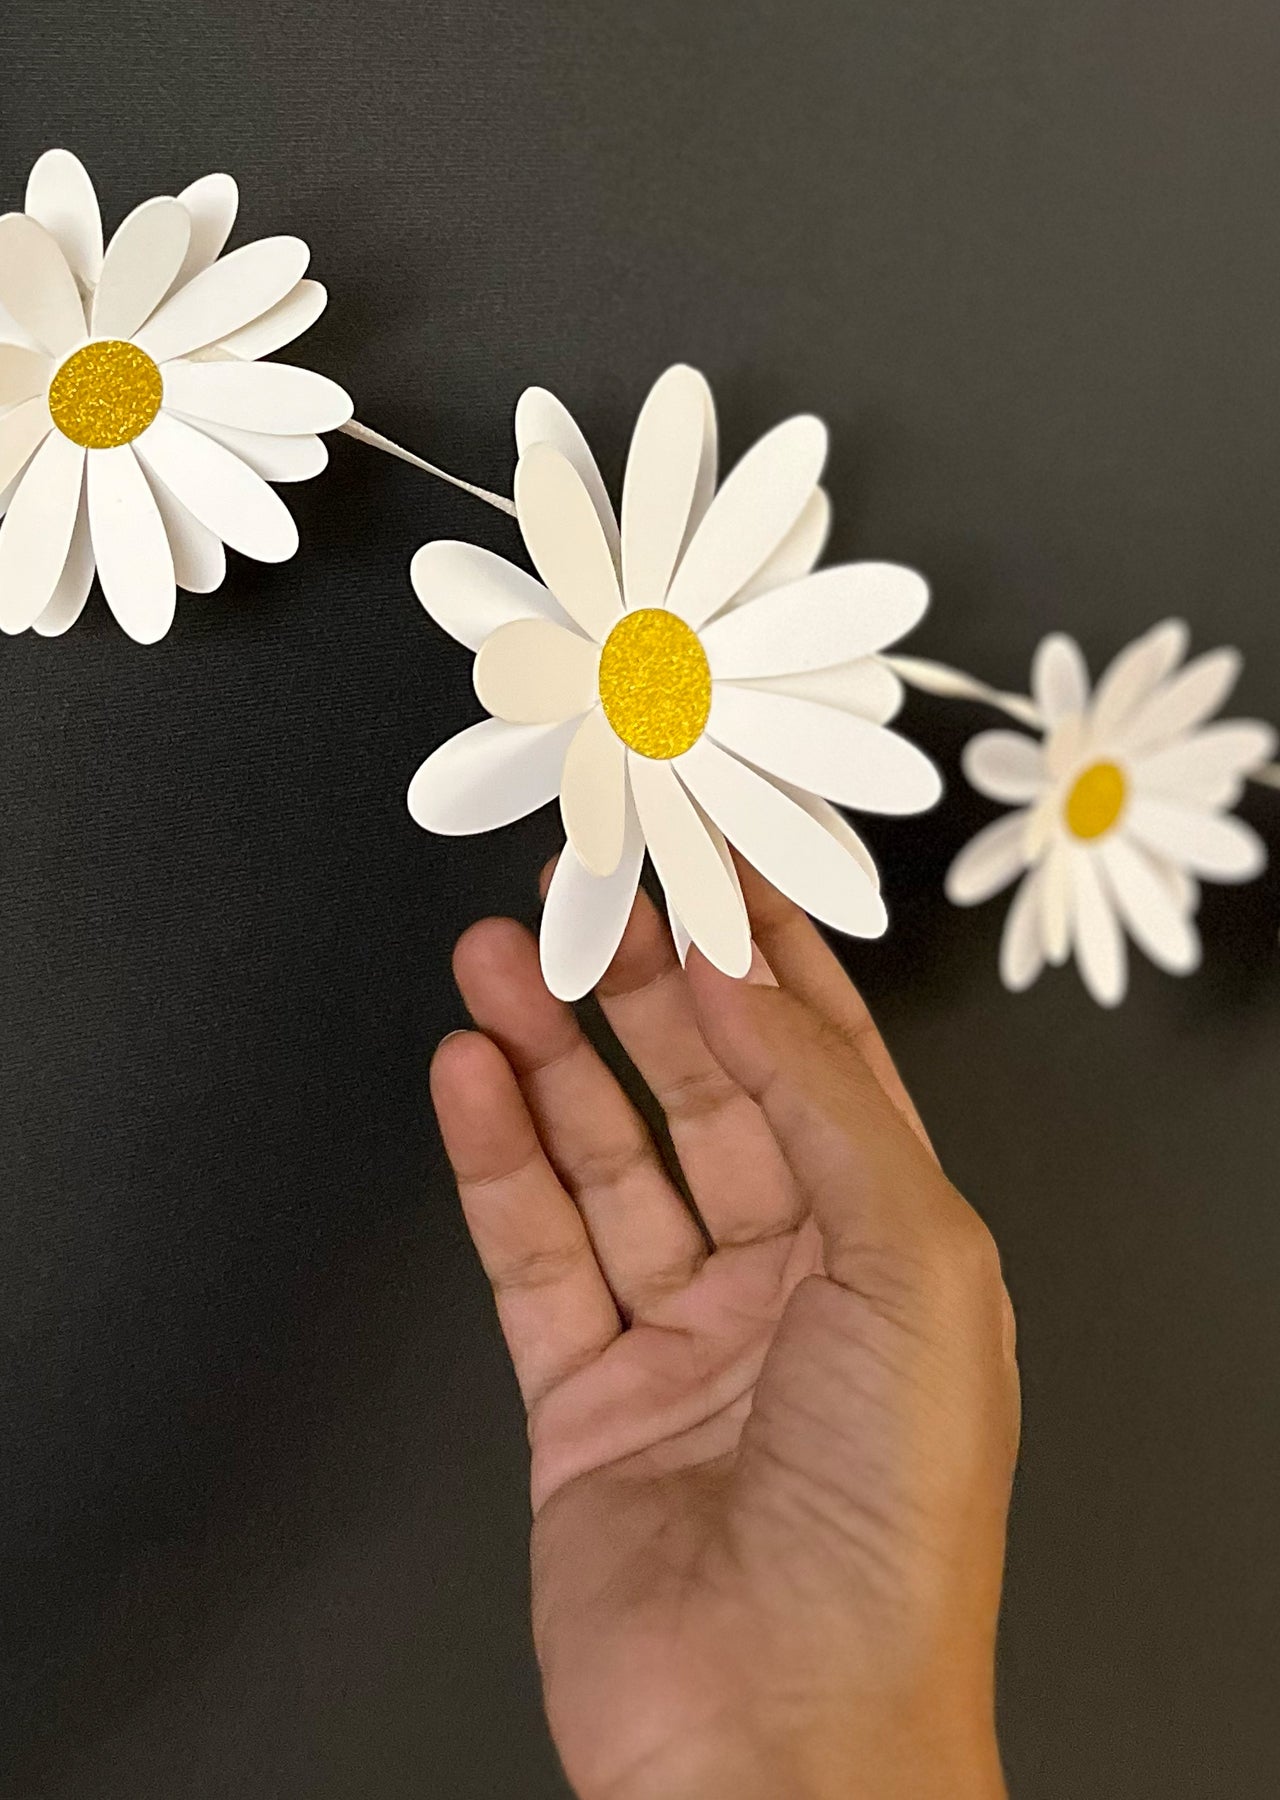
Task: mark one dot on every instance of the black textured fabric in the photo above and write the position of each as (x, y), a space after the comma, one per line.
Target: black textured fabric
(262, 1516)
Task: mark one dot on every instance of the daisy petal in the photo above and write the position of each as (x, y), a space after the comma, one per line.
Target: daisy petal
(60, 195)
(834, 754)
(280, 324)
(1213, 844)
(140, 266)
(532, 672)
(199, 560)
(663, 465)
(130, 545)
(1099, 941)
(866, 687)
(1134, 674)
(22, 432)
(222, 298)
(1021, 944)
(831, 821)
(223, 492)
(1185, 702)
(704, 487)
(37, 288)
(489, 775)
(24, 374)
(1056, 893)
(798, 553)
(689, 866)
(1059, 678)
(593, 794)
(564, 537)
(271, 397)
(585, 916)
(760, 501)
(989, 861)
(68, 599)
(274, 458)
(35, 537)
(212, 204)
(783, 842)
(1218, 757)
(1149, 907)
(542, 419)
(829, 618)
(679, 936)
(471, 593)
(1005, 765)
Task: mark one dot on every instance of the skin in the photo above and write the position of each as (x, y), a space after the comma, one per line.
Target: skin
(772, 1445)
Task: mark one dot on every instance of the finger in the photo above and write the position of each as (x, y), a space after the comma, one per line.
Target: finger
(804, 963)
(736, 1173)
(644, 1235)
(553, 1302)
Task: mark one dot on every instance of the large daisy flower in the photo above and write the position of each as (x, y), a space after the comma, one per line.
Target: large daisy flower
(138, 431)
(1120, 808)
(682, 682)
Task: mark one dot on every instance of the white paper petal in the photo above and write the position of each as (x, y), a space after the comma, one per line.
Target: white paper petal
(1021, 943)
(680, 938)
(223, 492)
(566, 540)
(22, 431)
(832, 821)
(24, 374)
(1157, 922)
(704, 487)
(281, 324)
(225, 297)
(140, 266)
(199, 559)
(489, 775)
(1059, 678)
(760, 501)
(271, 397)
(1184, 888)
(1099, 941)
(1065, 745)
(1134, 674)
(37, 288)
(130, 545)
(35, 537)
(1212, 844)
(542, 419)
(1005, 765)
(1056, 893)
(662, 475)
(867, 687)
(585, 916)
(532, 672)
(989, 862)
(689, 866)
(1213, 760)
(832, 617)
(60, 195)
(593, 794)
(471, 593)
(798, 553)
(1184, 702)
(783, 842)
(834, 754)
(68, 599)
(274, 458)
(212, 204)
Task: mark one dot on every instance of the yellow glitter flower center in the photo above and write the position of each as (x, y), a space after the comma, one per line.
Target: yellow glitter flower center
(106, 394)
(1096, 800)
(655, 683)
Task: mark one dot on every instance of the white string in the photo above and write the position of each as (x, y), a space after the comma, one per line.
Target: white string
(951, 684)
(364, 435)
(1267, 776)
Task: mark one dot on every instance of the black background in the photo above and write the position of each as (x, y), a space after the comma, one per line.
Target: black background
(263, 1515)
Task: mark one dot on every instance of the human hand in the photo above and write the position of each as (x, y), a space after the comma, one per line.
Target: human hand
(771, 1461)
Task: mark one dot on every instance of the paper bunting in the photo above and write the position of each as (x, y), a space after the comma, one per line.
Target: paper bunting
(1121, 807)
(138, 428)
(681, 681)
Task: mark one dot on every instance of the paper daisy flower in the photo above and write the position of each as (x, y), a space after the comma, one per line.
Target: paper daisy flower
(138, 430)
(682, 682)
(1120, 809)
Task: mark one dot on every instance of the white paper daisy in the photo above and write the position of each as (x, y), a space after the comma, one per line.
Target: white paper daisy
(138, 431)
(1120, 809)
(681, 683)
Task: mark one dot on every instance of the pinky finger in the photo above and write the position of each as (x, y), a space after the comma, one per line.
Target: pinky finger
(554, 1305)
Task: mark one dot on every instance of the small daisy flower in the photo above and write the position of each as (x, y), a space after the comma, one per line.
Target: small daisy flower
(682, 682)
(1121, 808)
(138, 431)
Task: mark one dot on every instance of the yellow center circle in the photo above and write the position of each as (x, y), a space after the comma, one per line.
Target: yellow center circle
(1096, 800)
(655, 683)
(106, 394)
